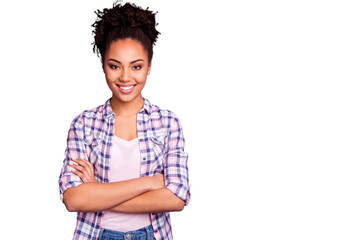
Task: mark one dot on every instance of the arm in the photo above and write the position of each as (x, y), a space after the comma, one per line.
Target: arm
(94, 197)
(103, 196)
(176, 173)
(160, 200)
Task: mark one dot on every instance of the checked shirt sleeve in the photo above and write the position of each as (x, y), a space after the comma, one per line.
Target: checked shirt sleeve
(176, 166)
(75, 150)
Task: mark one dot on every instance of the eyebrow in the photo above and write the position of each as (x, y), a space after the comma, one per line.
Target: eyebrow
(137, 60)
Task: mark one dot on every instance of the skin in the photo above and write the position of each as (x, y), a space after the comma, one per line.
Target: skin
(125, 63)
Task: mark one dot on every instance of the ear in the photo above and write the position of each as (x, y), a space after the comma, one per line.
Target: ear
(103, 66)
(149, 69)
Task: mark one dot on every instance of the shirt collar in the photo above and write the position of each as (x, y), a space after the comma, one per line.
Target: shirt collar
(108, 111)
(147, 106)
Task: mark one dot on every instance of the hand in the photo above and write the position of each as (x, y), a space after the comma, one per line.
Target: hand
(158, 181)
(83, 169)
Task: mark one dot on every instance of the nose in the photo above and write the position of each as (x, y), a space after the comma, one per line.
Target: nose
(125, 75)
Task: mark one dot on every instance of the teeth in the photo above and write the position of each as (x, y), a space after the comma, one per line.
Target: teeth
(127, 88)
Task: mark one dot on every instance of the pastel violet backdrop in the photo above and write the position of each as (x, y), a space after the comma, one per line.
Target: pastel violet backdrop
(267, 91)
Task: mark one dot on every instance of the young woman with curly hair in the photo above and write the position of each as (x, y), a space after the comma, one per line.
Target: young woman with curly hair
(125, 167)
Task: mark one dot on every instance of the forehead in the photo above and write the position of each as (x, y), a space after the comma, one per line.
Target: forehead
(126, 49)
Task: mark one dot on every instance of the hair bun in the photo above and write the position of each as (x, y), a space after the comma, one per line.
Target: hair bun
(143, 19)
(121, 22)
(127, 16)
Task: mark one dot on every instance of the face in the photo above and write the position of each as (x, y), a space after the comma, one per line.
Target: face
(126, 67)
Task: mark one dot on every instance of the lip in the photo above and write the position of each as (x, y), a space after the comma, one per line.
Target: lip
(126, 91)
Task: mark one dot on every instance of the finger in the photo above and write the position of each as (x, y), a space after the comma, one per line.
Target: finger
(78, 167)
(86, 169)
(86, 164)
(89, 166)
(83, 173)
(76, 160)
(79, 161)
(78, 173)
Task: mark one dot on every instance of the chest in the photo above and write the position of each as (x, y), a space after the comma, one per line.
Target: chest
(152, 142)
(125, 127)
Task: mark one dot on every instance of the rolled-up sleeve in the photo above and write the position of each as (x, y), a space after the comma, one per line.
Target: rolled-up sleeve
(176, 163)
(75, 150)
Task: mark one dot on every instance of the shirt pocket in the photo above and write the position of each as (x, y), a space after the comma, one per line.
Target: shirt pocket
(158, 153)
(94, 155)
(93, 150)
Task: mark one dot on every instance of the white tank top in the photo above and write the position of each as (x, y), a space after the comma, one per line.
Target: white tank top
(124, 165)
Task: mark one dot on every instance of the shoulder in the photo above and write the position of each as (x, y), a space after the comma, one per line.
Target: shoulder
(89, 116)
(160, 113)
(167, 118)
(91, 124)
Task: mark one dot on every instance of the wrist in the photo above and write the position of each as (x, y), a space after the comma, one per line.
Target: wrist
(150, 183)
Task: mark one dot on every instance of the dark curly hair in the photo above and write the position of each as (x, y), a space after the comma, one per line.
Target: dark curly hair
(122, 22)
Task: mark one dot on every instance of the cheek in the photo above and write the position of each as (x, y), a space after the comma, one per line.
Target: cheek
(141, 78)
(110, 76)
(108, 81)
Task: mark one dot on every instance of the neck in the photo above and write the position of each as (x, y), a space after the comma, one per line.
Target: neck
(126, 108)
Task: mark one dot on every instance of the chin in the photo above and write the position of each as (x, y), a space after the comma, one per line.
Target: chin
(126, 98)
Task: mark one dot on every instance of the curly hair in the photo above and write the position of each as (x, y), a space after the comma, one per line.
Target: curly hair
(122, 22)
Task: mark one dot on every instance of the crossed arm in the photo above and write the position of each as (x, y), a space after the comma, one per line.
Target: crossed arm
(140, 195)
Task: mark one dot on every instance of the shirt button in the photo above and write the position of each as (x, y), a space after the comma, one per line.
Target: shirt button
(144, 159)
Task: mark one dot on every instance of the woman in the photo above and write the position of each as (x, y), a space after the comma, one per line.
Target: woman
(125, 167)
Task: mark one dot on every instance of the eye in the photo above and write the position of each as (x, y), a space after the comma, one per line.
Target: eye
(112, 66)
(137, 67)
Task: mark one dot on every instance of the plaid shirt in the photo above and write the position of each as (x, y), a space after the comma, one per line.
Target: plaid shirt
(161, 149)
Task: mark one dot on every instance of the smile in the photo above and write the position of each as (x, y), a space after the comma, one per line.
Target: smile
(126, 89)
